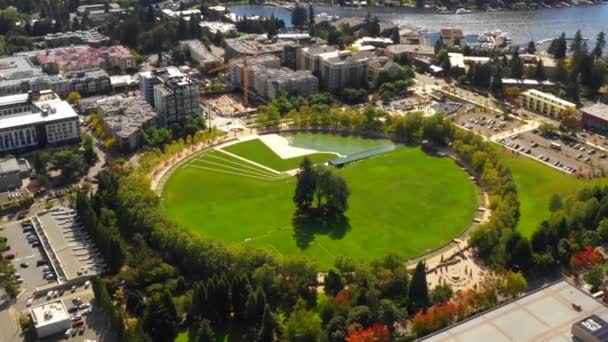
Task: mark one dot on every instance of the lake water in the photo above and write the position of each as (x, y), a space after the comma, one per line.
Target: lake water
(523, 26)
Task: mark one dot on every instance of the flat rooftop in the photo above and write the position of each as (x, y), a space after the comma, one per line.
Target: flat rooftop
(543, 315)
(59, 110)
(49, 313)
(598, 110)
(72, 246)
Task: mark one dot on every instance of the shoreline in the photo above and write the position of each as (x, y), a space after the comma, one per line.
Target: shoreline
(411, 9)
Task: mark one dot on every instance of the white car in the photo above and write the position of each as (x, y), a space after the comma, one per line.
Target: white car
(87, 284)
(29, 301)
(49, 295)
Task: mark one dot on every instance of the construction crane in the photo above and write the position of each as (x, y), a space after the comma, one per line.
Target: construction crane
(244, 76)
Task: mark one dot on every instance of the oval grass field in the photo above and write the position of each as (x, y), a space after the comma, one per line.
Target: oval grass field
(404, 202)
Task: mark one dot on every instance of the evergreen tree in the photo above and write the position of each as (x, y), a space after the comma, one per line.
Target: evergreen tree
(267, 326)
(516, 65)
(419, 292)
(204, 332)
(558, 47)
(600, 44)
(539, 72)
(333, 283)
(238, 294)
(160, 317)
(299, 16)
(311, 15)
(531, 47)
(577, 42)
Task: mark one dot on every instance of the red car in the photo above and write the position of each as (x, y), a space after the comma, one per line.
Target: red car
(9, 256)
(77, 323)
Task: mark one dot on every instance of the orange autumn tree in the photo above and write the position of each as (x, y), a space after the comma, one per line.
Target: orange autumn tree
(376, 333)
(439, 315)
(585, 258)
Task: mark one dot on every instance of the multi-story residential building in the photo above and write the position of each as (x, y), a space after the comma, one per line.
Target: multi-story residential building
(99, 13)
(344, 69)
(254, 45)
(90, 37)
(204, 56)
(83, 57)
(235, 67)
(126, 119)
(452, 37)
(149, 79)
(309, 58)
(36, 119)
(546, 104)
(336, 70)
(173, 95)
(270, 83)
(176, 99)
(410, 51)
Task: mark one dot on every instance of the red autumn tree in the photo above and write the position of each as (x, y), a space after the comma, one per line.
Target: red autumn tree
(376, 333)
(343, 297)
(585, 258)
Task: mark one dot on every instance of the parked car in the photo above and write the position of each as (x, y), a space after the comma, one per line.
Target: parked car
(24, 265)
(29, 301)
(68, 333)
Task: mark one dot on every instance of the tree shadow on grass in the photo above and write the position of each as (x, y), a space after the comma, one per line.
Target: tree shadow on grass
(306, 225)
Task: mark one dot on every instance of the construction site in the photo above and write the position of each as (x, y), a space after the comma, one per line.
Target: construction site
(227, 105)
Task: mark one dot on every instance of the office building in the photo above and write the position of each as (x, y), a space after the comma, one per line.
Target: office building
(50, 318)
(270, 83)
(36, 119)
(90, 37)
(126, 119)
(173, 94)
(235, 67)
(595, 116)
(546, 104)
(10, 175)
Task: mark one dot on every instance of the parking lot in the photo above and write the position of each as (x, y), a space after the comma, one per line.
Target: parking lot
(81, 305)
(487, 124)
(564, 154)
(72, 247)
(27, 255)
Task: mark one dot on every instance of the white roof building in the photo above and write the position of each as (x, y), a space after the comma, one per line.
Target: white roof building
(214, 26)
(50, 318)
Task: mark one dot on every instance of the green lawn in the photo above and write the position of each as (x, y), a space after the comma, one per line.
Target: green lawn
(255, 150)
(404, 202)
(536, 183)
